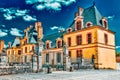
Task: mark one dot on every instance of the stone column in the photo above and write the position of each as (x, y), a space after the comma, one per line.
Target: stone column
(66, 58)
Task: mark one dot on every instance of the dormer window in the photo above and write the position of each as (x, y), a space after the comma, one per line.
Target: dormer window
(59, 42)
(105, 23)
(48, 44)
(79, 25)
(88, 24)
(69, 30)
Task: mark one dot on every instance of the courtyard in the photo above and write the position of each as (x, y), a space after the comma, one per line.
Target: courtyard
(65, 75)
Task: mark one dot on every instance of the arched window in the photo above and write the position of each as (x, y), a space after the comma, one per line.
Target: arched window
(88, 24)
(59, 44)
(79, 25)
(47, 45)
(105, 23)
(69, 30)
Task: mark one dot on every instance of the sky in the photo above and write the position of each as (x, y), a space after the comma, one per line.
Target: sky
(16, 15)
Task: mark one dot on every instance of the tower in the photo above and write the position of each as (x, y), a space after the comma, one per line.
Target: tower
(1, 45)
(39, 29)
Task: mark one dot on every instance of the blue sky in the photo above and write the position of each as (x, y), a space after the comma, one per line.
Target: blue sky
(16, 15)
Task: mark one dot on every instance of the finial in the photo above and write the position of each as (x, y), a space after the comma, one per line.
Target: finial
(93, 3)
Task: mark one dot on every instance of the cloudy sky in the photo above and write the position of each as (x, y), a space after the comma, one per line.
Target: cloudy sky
(16, 15)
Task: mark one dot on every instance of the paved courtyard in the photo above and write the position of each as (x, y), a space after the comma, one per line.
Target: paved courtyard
(64, 75)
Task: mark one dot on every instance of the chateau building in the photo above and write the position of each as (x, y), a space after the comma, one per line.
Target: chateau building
(88, 41)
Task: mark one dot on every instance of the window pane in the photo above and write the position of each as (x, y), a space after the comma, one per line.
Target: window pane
(69, 41)
(78, 25)
(89, 36)
(47, 57)
(106, 38)
(58, 57)
(79, 40)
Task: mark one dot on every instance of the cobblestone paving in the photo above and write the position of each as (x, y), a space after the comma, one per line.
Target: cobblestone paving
(64, 75)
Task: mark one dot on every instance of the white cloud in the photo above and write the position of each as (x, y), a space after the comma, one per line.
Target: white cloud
(111, 17)
(49, 4)
(54, 27)
(2, 25)
(2, 33)
(58, 28)
(40, 7)
(8, 16)
(15, 32)
(54, 6)
(117, 47)
(29, 18)
(9, 12)
(21, 12)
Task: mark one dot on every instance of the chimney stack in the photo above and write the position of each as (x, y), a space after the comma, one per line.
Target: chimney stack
(9, 44)
(80, 11)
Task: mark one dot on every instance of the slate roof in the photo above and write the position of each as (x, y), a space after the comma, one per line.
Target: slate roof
(53, 38)
(32, 35)
(90, 14)
(16, 42)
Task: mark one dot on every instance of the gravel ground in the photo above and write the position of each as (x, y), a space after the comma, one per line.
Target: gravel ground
(64, 75)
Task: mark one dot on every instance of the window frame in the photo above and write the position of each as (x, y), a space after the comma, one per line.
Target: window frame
(89, 39)
(79, 39)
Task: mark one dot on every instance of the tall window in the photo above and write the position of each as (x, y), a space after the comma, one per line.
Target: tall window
(89, 38)
(78, 25)
(58, 57)
(47, 45)
(79, 53)
(106, 38)
(19, 52)
(79, 40)
(32, 48)
(69, 54)
(69, 41)
(25, 49)
(59, 44)
(47, 57)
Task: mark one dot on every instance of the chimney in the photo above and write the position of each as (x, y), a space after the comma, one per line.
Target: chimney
(37, 25)
(26, 32)
(9, 44)
(80, 11)
(1, 45)
(40, 30)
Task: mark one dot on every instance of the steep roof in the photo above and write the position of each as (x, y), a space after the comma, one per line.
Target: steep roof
(16, 42)
(53, 38)
(32, 35)
(90, 14)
